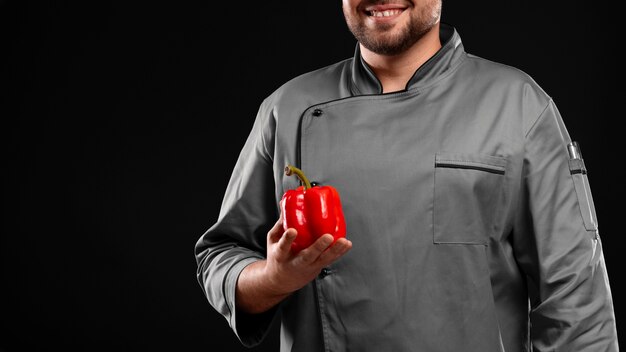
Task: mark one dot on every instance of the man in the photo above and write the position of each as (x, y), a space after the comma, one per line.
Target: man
(470, 222)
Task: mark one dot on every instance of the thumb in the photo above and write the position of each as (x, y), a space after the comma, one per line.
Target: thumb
(284, 244)
(276, 232)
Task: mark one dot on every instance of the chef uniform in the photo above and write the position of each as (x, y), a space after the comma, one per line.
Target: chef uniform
(472, 221)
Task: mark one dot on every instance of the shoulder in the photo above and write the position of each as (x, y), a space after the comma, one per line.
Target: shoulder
(322, 84)
(503, 74)
(508, 84)
(280, 110)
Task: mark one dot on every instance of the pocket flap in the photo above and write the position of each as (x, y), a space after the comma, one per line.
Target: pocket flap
(488, 163)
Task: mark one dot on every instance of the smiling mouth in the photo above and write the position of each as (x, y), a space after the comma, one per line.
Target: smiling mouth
(385, 13)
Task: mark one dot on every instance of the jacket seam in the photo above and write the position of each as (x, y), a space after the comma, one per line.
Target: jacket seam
(535, 123)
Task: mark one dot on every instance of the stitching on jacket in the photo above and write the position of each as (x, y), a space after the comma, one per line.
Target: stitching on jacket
(532, 126)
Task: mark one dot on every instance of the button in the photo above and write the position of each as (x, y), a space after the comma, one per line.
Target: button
(325, 272)
(317, 112)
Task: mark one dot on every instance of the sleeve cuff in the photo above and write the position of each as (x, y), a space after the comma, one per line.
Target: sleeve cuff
(250, 329)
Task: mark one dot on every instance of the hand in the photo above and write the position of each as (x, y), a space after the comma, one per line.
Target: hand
(264, 283)
(287, 272)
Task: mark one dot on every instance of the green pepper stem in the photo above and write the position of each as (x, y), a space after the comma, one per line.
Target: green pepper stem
(290, 170)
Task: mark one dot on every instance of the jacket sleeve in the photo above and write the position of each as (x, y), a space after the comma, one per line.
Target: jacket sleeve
(238, 237)
(557, 245)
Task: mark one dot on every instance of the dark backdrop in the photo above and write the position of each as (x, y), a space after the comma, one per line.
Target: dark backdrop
(121, 122)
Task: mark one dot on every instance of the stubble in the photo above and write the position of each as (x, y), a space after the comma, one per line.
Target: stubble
(385, 39)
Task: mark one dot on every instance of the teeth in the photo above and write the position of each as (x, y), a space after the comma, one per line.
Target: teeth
(385, 13)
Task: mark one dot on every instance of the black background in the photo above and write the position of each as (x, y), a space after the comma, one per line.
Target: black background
(121, 122)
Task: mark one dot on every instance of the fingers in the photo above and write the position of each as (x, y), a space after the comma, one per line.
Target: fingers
(310, 254)
(276, 232)
(339, 248)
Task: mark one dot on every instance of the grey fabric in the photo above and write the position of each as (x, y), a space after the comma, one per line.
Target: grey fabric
(469, 231)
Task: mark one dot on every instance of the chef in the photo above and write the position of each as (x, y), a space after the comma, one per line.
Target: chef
(469, 215)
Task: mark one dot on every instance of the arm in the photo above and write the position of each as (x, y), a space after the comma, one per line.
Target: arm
(238, 237)
(244, 265)
(557, 245)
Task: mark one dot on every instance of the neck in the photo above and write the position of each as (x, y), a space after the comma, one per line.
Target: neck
(395, 71)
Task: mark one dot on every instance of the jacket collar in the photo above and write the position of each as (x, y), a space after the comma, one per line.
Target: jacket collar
(365, 82)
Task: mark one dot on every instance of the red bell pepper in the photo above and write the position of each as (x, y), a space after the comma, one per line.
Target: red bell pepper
(312, 210)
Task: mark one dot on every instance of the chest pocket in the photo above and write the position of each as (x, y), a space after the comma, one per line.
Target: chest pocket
(468, 199)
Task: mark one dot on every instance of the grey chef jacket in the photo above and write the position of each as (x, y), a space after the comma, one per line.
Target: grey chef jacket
(472, 228)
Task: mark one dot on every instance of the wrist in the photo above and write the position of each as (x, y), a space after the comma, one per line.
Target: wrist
(255, 291)
(270, 281)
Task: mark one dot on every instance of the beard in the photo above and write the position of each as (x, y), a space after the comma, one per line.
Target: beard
(384, 40)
